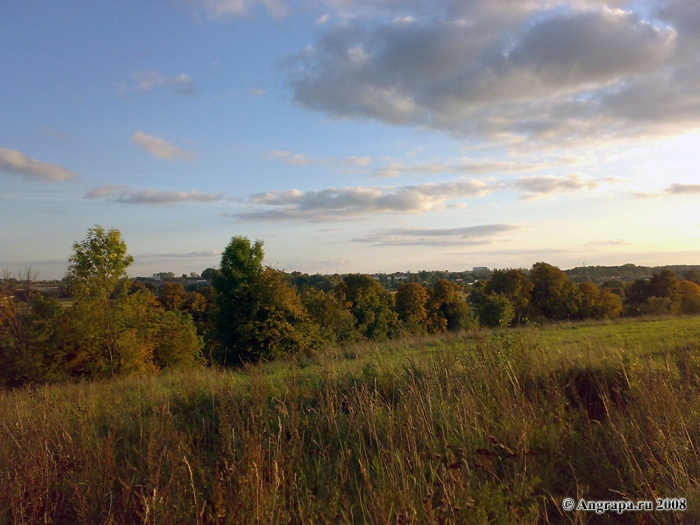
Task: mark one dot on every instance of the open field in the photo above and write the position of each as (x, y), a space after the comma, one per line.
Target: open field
(485, 427)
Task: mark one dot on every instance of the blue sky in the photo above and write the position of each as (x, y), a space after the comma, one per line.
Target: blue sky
(352, 135)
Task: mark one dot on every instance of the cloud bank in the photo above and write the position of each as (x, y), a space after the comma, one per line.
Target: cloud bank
(520, 73)
(127, 195)
(347, 203)
(541, 185)
(470, 235)
(15, 163)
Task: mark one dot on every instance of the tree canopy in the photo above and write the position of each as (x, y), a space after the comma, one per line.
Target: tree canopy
(259, 315)
(99, 262)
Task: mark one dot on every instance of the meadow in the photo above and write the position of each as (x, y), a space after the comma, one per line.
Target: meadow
(486, 426)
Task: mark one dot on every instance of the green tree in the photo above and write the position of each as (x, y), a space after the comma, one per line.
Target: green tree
(110, 331)
(515, 285)
(666, 285)
(370, 304)
(30, 351)
(553, 295)
(609, 304)
(97, 274)
(332, 316)
(636, 294)
(598, 303)
(98, 264)
(447, 311)
(259, 315)
(496, 310)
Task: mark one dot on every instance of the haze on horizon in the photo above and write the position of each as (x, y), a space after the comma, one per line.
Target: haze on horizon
(352, 135)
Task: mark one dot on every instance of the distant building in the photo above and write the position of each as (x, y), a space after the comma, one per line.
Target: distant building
(480, 269)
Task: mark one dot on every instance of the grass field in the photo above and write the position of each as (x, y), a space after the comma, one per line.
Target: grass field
(485, 427)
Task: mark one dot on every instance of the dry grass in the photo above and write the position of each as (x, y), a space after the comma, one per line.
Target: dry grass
(482, 428)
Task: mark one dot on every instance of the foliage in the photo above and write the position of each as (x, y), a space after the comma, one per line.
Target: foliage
(665, 285)
(98, 263)
(411, 306)
(106, 331)
(370, 304)
(627, 272)
(304, 282)
(609, 305)
(331, 315)
(598, 303)
(447, 311)
(553, 295)
(514, 285)
(693, 276)
(690, 297)
(30, 334)
(659, 295)
(497, 311)
(259, 315)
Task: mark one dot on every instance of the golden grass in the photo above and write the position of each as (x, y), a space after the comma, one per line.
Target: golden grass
(488, 427)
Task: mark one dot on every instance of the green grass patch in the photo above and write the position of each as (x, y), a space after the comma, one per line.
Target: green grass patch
(483, 427)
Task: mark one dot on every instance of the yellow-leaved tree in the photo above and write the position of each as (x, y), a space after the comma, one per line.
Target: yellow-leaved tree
(112, 331)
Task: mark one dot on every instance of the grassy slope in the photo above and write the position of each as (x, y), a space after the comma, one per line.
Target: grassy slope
(482, 428)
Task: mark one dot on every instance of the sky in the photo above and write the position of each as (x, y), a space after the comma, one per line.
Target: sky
(351, 135)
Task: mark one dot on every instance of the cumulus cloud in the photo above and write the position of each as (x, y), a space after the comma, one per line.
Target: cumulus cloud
(144, 81)
(15, 163)
(540, 185)
(127, 195)
(514, 72)
(297, 159)
(346, 203)
(159, 147)
(470, 235)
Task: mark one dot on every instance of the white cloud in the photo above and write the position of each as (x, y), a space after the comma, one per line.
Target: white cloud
(15, 163)
(466, 166)
(540, 185)
(127, 195)
(469, 235)
(514, 72)
(348, 203)
(144, 81)
(159, 147)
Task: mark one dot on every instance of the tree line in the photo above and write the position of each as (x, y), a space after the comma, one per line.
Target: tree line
(115, 325)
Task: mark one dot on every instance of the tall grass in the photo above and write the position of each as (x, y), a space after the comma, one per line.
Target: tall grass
(487, 427)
